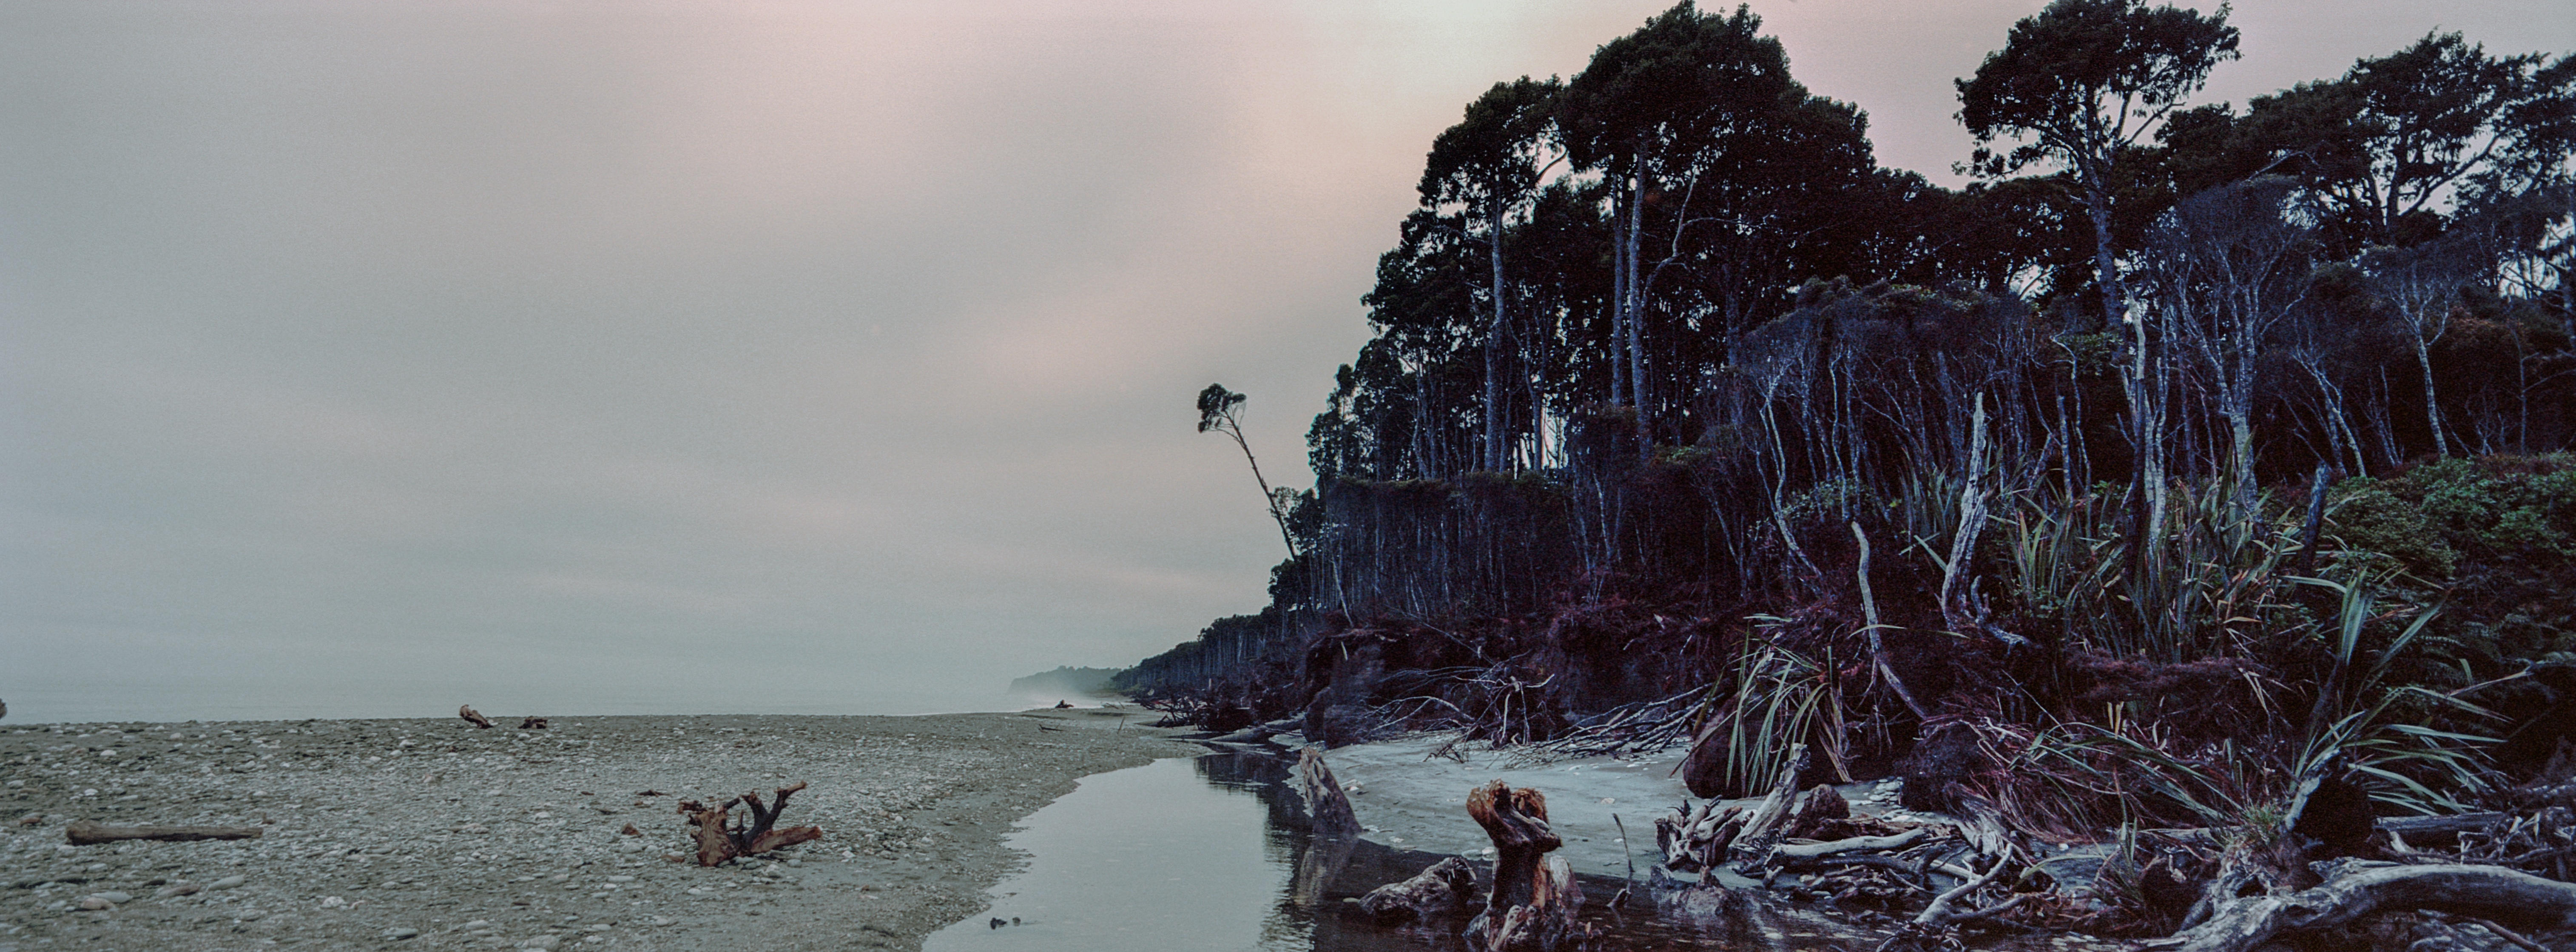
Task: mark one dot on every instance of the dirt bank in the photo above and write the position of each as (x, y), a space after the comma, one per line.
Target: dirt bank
(432, 834)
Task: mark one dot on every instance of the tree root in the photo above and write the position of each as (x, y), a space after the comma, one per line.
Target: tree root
(2243, 924)
(721, 840)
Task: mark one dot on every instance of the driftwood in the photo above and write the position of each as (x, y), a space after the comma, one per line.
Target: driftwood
(2243, 924)
(1516, 820)
(473, 716)
(1937, 925)
(1446, 889)
(721, 840)
(1547, 922)
(84, 833)
(1763, 827)
(1694, 839)
(1792, 854)
(1326, 804)
(532, 723)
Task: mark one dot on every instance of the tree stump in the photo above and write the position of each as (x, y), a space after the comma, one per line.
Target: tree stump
(720, 840)
(1535, 899)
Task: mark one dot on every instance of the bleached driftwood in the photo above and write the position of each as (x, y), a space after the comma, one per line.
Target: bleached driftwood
(1792, 853)
(84, 833)
(1762, 826)
(2242, 924)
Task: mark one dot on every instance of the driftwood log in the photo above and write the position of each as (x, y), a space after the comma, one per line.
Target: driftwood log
(473, 716)
(2243, 924)
(532, 723)
(1798, 854)
(1446, 889)
(1763, 827)
(721, 838)
(1326, 804)
(84, 833)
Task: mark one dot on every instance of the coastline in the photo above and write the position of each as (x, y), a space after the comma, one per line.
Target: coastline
(373, 827)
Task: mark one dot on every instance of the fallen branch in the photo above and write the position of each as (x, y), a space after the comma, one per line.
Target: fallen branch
(721, 840)
(473, 716)
(85, 833)
(532, 723)
(1937, 924)
(2238, 925)
(1787, 853)
(1763, 826)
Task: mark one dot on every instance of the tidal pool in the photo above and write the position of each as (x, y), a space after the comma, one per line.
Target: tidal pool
(1211, 853)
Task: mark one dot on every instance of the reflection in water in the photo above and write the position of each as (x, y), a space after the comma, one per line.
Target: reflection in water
(1213, 853)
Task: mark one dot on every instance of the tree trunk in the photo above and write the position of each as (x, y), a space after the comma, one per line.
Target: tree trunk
(1636, 305)
(1494, 339)
(2432, 406)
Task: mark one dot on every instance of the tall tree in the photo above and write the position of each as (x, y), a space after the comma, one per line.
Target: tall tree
(1490, 164)
(1220, 410)
(1707, 143)
(2081, 81)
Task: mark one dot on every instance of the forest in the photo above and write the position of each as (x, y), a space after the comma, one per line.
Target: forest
(2190, 461)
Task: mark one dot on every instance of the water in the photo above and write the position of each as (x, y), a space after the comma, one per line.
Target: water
(1209, 853)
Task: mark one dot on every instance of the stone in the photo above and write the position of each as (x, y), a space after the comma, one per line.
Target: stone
(401, 932)
(228, 882)
(541, 942)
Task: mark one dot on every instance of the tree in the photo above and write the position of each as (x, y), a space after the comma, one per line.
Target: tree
(1744, 178)
(2082, 80)
(2228, 265)
(1220, 410)
(1490, 163)
(2421, 284)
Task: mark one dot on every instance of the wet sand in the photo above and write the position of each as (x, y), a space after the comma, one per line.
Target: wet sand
(433, 834)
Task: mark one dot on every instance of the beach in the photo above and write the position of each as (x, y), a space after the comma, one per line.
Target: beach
(431, 833)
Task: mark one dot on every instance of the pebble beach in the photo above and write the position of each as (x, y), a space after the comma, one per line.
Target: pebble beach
(433, 834)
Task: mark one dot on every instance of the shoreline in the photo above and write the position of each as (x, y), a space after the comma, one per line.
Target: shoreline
(470, 838)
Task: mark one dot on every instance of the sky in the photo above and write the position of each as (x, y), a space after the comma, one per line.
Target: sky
(363, 359)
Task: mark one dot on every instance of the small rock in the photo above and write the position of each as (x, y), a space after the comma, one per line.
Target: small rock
(334, 902)
(541, 942)
(228, 882)
(116, 897)
(94, 903)
(176, 889)
(621, 879)
(401, 932)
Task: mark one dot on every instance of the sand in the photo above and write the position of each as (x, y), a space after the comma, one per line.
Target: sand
(432, 834)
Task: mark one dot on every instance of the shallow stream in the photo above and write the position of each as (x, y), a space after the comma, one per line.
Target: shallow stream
(1210, 853)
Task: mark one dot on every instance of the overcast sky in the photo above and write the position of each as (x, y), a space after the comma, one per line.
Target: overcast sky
(362, 359)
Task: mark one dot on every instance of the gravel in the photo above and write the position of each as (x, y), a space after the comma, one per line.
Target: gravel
(432, 834)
